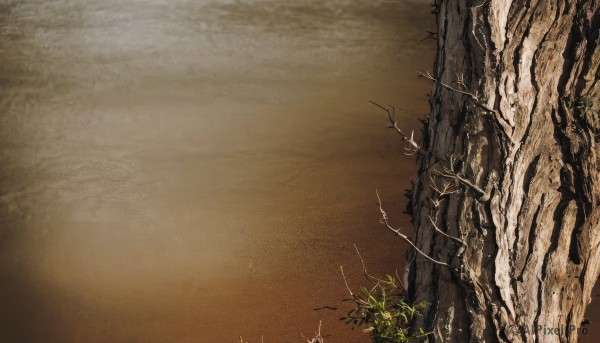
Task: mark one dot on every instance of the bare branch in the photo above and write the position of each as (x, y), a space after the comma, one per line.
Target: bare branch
(346, 281)
(506, 127)
(372, 278)
(450, 173)
(446, 187)
(456, 239)
(362, 262)
(383, 214)
(385, 222)
(318, 338)
(453, 175)
(412, 146)
(400, 280)
(473, 97)
(460, 80)
(355, 297)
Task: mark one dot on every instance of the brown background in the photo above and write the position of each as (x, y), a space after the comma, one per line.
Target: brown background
(193, 171)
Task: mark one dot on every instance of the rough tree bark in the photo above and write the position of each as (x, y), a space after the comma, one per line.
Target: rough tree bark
(518, 150)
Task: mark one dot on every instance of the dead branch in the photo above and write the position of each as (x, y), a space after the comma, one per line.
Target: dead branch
(384, 220)
(446, 188)
(466, 92)
(483, 195)
(506, 128)
(412, 146)
(448, 173)
(451, 173)
(456, 239)
(318, 338)
(371, 277)
(346, 281)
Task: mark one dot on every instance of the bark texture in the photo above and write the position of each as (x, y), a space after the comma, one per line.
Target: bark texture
(527, 153)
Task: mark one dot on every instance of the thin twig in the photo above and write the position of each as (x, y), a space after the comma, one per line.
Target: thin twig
(413, 147)
(453, 175)
(346, 281)
(355, 297)
(385, 222)
(473, 97)
(504, 124)
(483, 194)
(367, 275)
(446, 189)
(318, 338)
(375, 279)
(400, 281)
(456, 239)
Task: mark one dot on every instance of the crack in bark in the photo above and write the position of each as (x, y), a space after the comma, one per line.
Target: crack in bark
(530, 173)
(532, 239)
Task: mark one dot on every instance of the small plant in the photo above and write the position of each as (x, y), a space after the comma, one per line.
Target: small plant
(384, 310)
(583, 103)
(580, 105)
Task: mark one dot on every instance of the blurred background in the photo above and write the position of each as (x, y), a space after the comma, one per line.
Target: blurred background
(196, 171)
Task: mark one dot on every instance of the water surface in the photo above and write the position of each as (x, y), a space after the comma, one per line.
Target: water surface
(193, 171)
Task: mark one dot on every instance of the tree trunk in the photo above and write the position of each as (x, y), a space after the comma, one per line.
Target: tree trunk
(516, 144)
